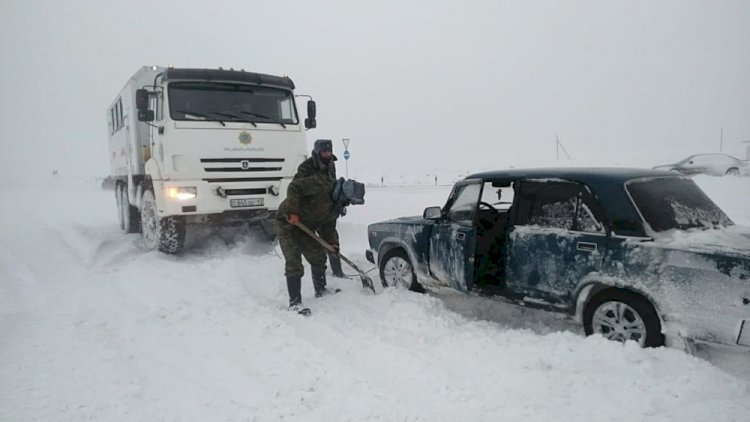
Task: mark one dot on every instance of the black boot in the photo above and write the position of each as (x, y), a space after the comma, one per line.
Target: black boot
(319, 281)
(294, 286)
(336, 265)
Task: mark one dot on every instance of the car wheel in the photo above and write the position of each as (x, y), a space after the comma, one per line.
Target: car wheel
(620, 316)
(396, 270)
(733, 172)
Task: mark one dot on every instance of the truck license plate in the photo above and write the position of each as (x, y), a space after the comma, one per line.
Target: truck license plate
(246, 202)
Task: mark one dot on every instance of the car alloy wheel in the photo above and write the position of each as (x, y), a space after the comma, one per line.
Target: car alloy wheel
(619, 322)
(622, 315)
(398, 272)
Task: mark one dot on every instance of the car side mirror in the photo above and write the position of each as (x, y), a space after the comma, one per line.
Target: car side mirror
(145, 115)
(310, 122)
(141, 99)
(432, 213)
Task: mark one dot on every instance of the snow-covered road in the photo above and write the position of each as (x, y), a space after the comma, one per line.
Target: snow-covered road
(94, 328)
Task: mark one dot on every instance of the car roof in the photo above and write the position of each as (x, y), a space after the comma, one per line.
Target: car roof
(588, 175)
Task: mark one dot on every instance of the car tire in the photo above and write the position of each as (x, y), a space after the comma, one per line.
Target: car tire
(621, 315)
(396, 270)
(733, 172)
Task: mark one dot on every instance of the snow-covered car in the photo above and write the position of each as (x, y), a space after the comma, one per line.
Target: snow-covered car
(712, 164)
(633, 254)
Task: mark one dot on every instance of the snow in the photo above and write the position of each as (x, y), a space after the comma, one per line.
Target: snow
(94, 328)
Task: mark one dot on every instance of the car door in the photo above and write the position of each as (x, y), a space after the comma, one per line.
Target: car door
(453, 236)
(558, 237)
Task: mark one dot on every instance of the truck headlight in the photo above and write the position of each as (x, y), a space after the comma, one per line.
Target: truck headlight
(183, 193)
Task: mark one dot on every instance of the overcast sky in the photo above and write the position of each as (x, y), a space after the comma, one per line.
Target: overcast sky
(430, 85)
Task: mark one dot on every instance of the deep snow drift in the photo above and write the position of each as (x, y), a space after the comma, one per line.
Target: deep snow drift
(93, 327)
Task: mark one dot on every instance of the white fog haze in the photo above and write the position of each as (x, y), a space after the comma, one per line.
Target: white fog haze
(121, 300)
(455, 87)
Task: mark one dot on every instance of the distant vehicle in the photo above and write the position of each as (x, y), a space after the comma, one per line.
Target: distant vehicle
(712, 164)
(634, 254)
(202, 146)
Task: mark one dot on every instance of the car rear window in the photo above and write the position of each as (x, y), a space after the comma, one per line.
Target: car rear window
(675, 203)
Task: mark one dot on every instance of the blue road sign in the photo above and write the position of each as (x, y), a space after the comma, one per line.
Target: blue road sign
(346, 154)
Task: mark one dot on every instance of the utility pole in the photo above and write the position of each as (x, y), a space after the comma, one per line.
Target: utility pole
(560, 146)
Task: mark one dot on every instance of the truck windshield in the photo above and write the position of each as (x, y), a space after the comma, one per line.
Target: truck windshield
(675, 203)
(229, 102)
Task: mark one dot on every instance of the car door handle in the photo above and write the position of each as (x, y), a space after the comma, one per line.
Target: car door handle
(460, 236)
(586, 246)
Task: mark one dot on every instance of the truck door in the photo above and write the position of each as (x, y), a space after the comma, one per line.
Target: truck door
(453, 237)
(557, 239)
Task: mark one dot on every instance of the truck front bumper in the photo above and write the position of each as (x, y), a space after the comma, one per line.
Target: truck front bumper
(218, 198)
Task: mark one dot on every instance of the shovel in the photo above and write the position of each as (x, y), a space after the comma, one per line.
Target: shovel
(366, 280)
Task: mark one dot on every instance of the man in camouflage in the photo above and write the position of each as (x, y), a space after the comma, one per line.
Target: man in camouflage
(308, 201)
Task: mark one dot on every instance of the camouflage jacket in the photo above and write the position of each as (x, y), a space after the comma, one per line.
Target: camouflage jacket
(309, 196)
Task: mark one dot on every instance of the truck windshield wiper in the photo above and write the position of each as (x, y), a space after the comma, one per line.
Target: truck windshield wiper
(235, 117)
(263, 116)
(195, 113)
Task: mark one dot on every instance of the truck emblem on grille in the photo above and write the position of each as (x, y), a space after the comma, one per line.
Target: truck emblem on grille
(245, 137)
(245, 164)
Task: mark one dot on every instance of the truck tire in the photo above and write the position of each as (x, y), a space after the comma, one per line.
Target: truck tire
(118, 199)
(131, 218)
(167, 234)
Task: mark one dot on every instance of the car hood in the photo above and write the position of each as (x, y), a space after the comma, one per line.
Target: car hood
(416, 219)
(733, 241)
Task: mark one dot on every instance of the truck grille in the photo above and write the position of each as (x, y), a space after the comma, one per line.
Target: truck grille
(232, 165)
(243, 179)
(256, 191)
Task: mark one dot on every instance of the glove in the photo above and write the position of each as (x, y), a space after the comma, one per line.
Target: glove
(336, 247)
(293, 219)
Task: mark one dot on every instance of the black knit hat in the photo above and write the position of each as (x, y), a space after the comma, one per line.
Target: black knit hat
(323, 145)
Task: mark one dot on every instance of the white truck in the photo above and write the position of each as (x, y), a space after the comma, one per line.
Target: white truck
(203, 146)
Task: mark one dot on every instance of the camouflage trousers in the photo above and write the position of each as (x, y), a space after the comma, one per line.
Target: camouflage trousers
(294, 244)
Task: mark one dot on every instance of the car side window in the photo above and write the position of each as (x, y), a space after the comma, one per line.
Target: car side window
(587, 218)
(463, 207)
(548, 204)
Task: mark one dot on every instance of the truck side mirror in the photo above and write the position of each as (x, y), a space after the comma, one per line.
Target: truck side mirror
(310, 122)
(145, 115)
(141, 100)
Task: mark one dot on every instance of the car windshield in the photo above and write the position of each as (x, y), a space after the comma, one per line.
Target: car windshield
(675, 203)
(231, 102)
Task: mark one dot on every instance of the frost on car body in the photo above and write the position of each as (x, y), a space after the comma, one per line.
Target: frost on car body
(636, 254)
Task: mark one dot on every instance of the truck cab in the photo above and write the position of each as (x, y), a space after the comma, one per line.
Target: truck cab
(205, 146)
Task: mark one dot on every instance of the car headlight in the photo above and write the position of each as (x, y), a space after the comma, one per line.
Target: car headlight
(183, 193)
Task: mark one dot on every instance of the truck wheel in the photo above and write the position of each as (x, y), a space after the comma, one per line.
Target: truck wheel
(131, 218)
(397, 271)
(620, 315)
(733, 172)
(118, 199)
(164, 233)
